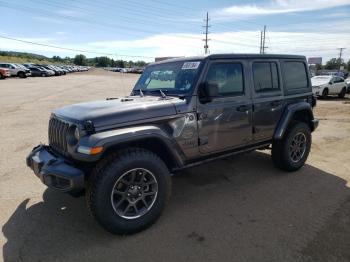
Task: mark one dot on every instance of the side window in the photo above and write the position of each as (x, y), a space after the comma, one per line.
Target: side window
(228, 77)
(295, 75)
(265, 76)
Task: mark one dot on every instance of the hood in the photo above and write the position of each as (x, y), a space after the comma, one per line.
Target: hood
(119, 110)
(319, 81)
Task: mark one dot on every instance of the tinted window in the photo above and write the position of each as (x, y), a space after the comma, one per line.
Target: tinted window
(228, 77)
(265, 77)
(295, 75)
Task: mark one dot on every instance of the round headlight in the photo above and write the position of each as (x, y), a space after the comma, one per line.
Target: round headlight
(77, 133)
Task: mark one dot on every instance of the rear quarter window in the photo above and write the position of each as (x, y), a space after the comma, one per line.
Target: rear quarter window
(295, 77)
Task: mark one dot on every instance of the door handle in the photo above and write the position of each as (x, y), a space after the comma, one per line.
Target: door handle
(275, 103)
(243, 108)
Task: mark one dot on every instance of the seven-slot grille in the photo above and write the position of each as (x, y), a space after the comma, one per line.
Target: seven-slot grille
(57, 135)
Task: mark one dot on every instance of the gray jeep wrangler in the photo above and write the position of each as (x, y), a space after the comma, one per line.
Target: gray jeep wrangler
(183, 112)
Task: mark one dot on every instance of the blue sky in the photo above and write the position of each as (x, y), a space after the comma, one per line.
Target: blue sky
(128, 29)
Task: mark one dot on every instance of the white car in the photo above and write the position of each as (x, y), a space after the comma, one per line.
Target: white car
(325, 85)
(15, 70)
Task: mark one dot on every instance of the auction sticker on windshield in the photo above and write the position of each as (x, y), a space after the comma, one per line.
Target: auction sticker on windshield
(190, 65)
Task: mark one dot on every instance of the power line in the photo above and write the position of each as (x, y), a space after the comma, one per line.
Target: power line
(71, 49)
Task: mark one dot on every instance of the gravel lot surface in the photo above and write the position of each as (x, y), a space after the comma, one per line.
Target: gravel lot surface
(236, 209)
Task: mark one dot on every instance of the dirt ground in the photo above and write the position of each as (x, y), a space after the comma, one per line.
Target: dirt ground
(236, 209)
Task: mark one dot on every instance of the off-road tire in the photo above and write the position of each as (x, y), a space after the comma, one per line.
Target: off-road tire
(103, 179)
(342, 93)
(280, 148)
(325, 93)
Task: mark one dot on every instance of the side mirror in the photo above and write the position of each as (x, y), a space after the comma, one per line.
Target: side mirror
(207, 91)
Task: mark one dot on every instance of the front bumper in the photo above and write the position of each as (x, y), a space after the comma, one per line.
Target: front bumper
(314, 124)
(54, 171)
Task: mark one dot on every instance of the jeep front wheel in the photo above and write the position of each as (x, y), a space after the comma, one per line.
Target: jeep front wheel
(129, 191)
(291, 152)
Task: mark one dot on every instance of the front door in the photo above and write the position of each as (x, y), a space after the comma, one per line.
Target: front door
(225, 122)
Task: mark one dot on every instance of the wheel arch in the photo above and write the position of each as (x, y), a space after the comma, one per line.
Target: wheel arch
(152, 143)
(301, 112)
(152, 138)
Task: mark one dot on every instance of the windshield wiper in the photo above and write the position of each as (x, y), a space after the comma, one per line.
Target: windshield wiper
(162, 94)
(141, 93)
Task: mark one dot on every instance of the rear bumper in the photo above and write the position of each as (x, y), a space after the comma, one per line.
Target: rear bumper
(54, 172)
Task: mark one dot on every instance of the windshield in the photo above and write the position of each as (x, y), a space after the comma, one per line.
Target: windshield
(172, 78)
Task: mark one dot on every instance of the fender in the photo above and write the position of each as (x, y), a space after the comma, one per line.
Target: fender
(112, 138)
(287, 117)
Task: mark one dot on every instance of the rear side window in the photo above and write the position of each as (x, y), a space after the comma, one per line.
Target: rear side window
(265, 77)
(295, 76)
(228, 77)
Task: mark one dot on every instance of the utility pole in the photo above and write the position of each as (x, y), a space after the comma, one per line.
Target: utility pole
(263, 41)
(340, 54)
(206, 46)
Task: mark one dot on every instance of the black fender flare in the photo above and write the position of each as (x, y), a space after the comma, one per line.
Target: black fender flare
(112, 138)
(287, 117)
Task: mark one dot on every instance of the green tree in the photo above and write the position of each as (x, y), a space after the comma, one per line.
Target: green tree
(318, 66)
(120, 63)
(103, 61)
(334, 64)
(80, 60)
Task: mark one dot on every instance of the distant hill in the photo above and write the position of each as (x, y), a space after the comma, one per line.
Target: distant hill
(23, 57)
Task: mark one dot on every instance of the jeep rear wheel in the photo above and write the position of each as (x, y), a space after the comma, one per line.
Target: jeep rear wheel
(128, 192)
(291, 152)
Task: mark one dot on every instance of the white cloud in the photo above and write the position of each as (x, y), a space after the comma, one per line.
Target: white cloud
(279, 7)
(61, 33)
(310, 43)
(48, 19)
(71, 13)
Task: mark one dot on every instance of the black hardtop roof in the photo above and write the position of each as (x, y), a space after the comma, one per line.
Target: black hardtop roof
(232, 56)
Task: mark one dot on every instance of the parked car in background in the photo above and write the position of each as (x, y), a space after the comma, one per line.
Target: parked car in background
(4, 72)
(347, 81)
(37, 71)
(15, 70)
(325, 85)
(48, 71)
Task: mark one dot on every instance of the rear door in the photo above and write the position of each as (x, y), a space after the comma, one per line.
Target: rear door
(226, 122)
(267, 97)
(338, 84)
